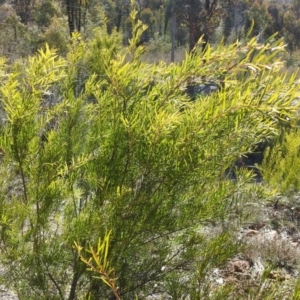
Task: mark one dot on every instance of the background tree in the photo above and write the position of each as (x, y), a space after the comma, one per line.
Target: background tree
(296, 8)
(116, 12)
(291, 30)
(258, 14)
(276, 14)
(234, 18)
(229, 20)
(44, 12)
(24, 10)
(13, 33)
(76, 12)
(201, 18)
(148, 19)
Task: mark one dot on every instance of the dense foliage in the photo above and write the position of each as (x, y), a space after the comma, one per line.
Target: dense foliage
(98, 144)
(27, 25)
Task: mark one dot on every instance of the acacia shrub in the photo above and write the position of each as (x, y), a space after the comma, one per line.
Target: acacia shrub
(132, 161)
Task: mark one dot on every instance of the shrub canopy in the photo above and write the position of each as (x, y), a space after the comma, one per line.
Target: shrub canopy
(99, 141)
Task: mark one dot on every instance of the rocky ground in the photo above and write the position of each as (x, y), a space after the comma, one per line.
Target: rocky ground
(7, 295)
(271, 255)
(270, 258)
(271, 238)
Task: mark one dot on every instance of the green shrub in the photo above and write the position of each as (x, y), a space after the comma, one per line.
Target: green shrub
(128, 152)
(280, 167)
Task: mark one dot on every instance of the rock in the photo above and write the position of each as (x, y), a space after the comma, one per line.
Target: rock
(270, 235)
(240, 266)
(251, 232)
(7, 295)
(279, 275)
(257, 226)
(220, 281)
(295, 245)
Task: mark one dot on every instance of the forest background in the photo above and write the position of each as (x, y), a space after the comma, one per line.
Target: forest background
(116, 182)
(27, 25)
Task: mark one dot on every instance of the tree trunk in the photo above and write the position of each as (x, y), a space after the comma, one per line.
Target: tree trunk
(173, 37)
